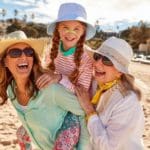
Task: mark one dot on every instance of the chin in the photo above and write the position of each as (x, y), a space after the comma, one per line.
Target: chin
(100, 81)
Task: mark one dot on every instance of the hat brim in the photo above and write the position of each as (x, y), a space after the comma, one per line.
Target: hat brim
(37, 44)
(90, 31)
(117, 65)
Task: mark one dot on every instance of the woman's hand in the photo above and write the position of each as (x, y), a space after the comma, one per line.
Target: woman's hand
(84, 99)
(46, 79)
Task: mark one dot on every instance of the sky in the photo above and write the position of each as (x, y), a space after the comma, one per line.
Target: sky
(108, 12)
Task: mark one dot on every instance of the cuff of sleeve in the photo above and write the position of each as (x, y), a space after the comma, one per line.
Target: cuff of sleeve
(92, 118)
(66, 83)
(64, 80)
(90, 115)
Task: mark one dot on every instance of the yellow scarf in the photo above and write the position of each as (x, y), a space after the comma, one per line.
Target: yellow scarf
(102, 88)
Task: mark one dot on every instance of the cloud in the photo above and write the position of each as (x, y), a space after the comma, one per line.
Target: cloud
(126, 5)
(128, 9)
(18, 2)
(104, 10)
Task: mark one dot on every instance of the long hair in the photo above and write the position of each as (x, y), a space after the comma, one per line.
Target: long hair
(6, 78)
(128, 84)
(125, 86)
(54, 48)
(77, 55)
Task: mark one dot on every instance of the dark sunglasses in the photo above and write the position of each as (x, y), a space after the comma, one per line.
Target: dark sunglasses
(106, 61)
(17, 52)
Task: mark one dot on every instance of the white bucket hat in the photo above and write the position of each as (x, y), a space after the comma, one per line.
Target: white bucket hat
(118, 51)
(72, 12)
(19, 36)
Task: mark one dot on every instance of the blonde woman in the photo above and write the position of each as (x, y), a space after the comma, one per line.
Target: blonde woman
(115, 117)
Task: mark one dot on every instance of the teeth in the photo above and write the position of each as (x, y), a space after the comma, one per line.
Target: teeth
(99, 71)
(70, 39)
(23, 64)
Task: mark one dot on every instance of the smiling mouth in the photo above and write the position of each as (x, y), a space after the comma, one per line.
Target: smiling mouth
(99, 73)
(23, 66)
(70, 39)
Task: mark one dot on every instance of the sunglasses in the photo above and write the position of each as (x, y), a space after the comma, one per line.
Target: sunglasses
(17, 52)
(106, 61)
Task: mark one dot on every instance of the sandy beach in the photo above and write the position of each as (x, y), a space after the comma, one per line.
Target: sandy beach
(9, 121)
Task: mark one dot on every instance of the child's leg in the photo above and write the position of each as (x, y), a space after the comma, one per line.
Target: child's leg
(23, 139)
(68, 135)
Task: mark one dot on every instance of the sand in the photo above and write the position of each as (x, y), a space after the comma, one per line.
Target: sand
(142, 72)
(9, 121)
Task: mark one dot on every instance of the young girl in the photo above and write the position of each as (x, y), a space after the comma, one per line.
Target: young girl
(70, 62)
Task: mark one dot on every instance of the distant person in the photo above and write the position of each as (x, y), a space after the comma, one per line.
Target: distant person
(115, 118)
(42, 112)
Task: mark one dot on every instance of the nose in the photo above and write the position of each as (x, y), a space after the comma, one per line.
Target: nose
(23, 55)
(70, 31)
(98, 62)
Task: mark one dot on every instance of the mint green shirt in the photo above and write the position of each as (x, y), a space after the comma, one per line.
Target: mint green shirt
(45, 114)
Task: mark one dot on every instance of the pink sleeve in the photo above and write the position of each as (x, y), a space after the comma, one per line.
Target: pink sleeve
(67, 84)
(85, 74)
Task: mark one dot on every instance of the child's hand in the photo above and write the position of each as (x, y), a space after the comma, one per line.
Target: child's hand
(82, 93)
(84, 99)
(47, 79)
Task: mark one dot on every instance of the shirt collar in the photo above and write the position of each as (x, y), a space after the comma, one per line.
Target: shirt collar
(70, 51)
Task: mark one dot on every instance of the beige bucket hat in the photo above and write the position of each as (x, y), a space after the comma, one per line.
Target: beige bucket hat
(19, 36)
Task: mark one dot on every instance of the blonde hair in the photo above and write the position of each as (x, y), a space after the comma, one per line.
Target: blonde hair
(128, 84)
(77, 55)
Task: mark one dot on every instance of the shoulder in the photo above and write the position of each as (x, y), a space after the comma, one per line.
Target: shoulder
(114, 98)
(56, 88)
(49, 89)
(121, 107)
(129, 101)
(86, 56)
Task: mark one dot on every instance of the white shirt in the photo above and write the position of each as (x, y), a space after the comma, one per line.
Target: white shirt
(120, 126)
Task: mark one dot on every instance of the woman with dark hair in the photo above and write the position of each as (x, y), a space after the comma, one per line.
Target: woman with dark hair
(41, 112)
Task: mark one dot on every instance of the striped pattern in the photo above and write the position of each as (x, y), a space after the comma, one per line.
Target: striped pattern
(65, 66)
